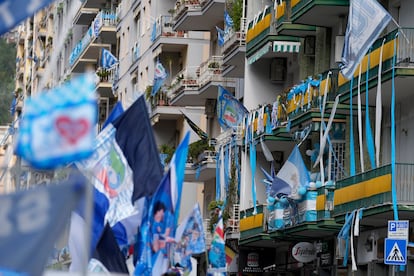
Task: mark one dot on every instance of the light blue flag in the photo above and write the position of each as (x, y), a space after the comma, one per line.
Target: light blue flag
(189, 239)
(366, 21)
(154, 32)
(160, 75)
(107, 59)
(220, 36)
(14, 11)
(32, 221)
(157, 231)
(292, 176)
(230, 111)
(58, 127)
(228, 21)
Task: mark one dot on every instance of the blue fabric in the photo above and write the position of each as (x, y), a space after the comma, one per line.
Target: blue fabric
(58, 127)
(32, 221)
(158, 227)
(369, 138)
(230, 112)
(253, 170)
(107, 59)
(160, 75)
(115, 113)
(218, 164)
(16, 13)
(351, 133)
(366, 20)
(220, 36)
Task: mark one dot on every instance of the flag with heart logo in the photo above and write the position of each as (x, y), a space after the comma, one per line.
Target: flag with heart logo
(58, 127)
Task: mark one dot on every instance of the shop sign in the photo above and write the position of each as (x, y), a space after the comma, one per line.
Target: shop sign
(304, 252)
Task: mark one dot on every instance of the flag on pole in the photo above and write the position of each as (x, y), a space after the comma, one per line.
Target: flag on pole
(107, 59)
(58, 127)
(157, 231)
(216, 254)
(230, 112)
(203, 135)
(14, 11)
(366, 21)
(220, 36)
(230, 254)
(228, 21)
(292, 176)
(32, 221)
(189, 239)
(160, 75)
(126, 169)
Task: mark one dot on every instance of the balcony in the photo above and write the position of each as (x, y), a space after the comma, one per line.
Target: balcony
(163, 28)
(234, 53)
(324, 13)
(404, 67)
(203, 168)
(105, 81)
(198, 15)
(101, 34)
(85, 16)
(284, 25)
(372, 191)
(193, 89)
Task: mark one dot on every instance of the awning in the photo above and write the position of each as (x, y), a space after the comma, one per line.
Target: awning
(256, 56)
(286, 46)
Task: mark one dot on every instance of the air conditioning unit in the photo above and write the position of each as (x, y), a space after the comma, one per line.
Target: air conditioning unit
(210, 107)
(278, 69)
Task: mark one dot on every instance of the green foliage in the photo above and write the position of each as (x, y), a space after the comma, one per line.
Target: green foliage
(236, 12)
(196, 148)
(169, 150)
(7, 73)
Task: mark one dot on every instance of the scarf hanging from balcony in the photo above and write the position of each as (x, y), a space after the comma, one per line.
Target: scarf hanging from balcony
(226, 168)
(361, 149)
(248, 120)
(351, 131)
(218, 161)
(368, 130)
(355, 233)
(268, 121)
(393, 184)
(378, 109)
(237, 164)
(253, 171)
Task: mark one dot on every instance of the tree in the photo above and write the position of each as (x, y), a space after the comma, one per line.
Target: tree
(7, 73)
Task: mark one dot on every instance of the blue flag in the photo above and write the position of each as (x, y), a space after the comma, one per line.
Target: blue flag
(107, 59)
(115, 113)
(230, 111)
(292, 176)
(220, 36)
(189, 239)
(32, 221)
(160, 75)
(126, 169)
(228, 21)
(366, 21)
(15, 11)
(58, 127)
(158, 229)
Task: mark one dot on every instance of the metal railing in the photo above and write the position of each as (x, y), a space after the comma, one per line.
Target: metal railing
(405, 54)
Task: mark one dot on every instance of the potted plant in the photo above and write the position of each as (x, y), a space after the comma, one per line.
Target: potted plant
(168, 151)
(197, 148)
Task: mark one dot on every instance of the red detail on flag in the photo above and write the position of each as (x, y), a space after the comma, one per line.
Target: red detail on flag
(102, 176)
(72, 130)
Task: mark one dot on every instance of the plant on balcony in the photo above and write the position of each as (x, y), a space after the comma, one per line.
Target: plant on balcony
(168, 150)
(197, 148)
(213, 64)
(232, 198)
(103, 74)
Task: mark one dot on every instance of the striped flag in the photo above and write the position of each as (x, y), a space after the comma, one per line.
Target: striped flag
(366, 21)
(216, 254)
(107, 59)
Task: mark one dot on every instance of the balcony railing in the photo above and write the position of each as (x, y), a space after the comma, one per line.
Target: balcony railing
(373, 188)
(211, 70)
(136, 51)
(233, 39)
(163, 27)
(185, 79)
(104, 18)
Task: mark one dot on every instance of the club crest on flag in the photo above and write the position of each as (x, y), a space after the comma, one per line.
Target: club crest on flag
(230, 111)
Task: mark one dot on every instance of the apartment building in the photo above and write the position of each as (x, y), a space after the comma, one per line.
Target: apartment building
(281, 59)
